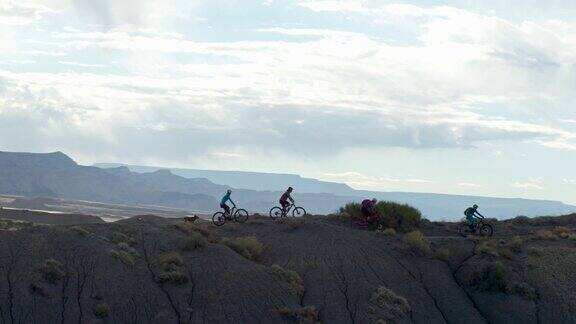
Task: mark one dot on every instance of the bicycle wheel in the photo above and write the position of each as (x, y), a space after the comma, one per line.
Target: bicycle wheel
(241, 215)
(486, 230)
(464, 230)
(276, 212)
(298, 212)
(219, 219)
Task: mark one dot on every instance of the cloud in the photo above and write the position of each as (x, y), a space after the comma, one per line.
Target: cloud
(530, 184)
(81, 64)
(309, 91)
(360, 180)
(21, 12)
(468, 185)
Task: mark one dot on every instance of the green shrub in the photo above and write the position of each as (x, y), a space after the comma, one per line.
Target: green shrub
(386, 305)
(52, 271)
(417, 242)
(247, 246)
(79, 230)
(304, 315)
(101, 310)
(401, 217)
(194, 241)
(491, 279)
(295, 282)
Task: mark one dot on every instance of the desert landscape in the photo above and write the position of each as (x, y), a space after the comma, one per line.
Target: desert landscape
(150, 269)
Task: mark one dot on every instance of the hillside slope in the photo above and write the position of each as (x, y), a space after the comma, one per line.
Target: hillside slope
(154, 270)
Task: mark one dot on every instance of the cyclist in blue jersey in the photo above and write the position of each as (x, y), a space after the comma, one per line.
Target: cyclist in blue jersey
(225, 200)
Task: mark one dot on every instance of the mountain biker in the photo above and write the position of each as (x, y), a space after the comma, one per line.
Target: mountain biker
(285, 197)
(369, 212)
(471, 217)
(224, 200)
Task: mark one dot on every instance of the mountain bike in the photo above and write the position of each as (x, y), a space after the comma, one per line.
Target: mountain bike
(239, 215)
(481, 228)
(280, 212)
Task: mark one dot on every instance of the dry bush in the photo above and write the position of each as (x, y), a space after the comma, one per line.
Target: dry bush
(506, 253)
(523, 290)
(535, 251)
(442, 254)
(247, 246)
(125, 253)
(545, 235)
(521, 220)
(52, 271)
(10, 225)
(295, 282)
(37, 289)
(389, 232)
(544, 221)
(292, 222)
(562, 232)
(417, 242)
(171, 269)
(118, 237)
(101, 310)
(515, 244)
(191, 228)
(304, 315)
(194, 241)
(386, 305)
(80, 230)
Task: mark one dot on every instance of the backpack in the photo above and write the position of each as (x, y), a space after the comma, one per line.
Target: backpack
(469, 211)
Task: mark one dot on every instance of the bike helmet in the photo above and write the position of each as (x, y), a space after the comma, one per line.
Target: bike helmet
(374, 200)
(290, 188)
(475, 206)
(229, 191)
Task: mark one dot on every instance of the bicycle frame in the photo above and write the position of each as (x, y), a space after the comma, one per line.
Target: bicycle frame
(232, 211)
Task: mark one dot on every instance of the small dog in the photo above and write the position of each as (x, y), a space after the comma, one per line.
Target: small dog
(191, 219)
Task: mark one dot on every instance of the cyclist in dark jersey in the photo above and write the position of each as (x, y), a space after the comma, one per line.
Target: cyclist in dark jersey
(285, 198)
(369, 212)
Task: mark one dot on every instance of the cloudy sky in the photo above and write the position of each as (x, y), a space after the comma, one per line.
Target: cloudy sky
(465, 97)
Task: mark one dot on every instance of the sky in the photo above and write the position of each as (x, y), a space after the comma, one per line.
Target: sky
(459, 97)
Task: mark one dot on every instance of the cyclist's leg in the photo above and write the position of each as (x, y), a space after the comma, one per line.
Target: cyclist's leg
(284, 204)
(471, 222)
(226, 209)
